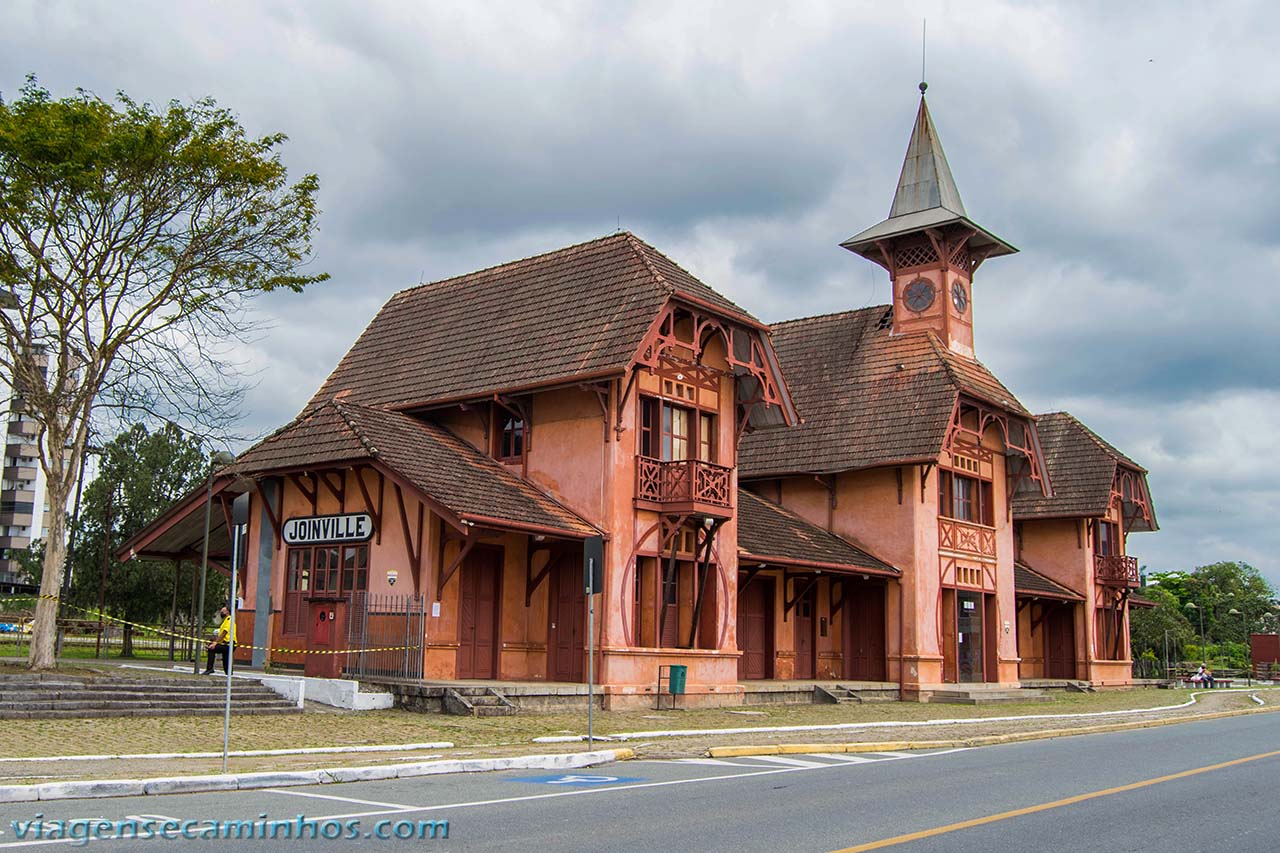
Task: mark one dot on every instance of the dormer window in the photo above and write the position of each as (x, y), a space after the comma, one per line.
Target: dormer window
(965, 499)
(509, 434)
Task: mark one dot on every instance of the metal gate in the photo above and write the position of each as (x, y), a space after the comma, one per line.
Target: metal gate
(386, 634)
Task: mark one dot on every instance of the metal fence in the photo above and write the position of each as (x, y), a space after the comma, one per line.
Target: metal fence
(389, 631)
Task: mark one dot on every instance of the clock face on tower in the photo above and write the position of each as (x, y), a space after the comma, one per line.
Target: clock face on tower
(959, 297)
(918, 295)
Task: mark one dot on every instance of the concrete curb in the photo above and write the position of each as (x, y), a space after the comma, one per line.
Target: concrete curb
(967, 742)
(251, 781)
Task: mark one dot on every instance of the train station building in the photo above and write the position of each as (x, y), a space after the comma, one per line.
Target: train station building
(852, 500)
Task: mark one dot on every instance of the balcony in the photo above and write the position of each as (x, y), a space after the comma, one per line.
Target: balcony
(1115, 570)
(23, 428)
(683, 486)
(967, 539)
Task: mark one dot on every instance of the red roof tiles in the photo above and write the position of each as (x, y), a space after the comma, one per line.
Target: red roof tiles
(770, 533)
(1027, 582)
(574, 313)
(442, 466)
(866, 398)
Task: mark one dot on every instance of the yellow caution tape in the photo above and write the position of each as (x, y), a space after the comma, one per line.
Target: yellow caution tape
(161, 631)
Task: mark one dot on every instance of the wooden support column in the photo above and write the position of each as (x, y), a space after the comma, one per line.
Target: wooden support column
(709, 535)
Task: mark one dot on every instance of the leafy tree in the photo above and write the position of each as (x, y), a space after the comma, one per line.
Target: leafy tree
(131, 240)
(1149, 627)
(140, 475)
(1211, 593)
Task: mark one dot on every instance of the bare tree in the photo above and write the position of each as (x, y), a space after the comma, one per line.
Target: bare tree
(131, 239)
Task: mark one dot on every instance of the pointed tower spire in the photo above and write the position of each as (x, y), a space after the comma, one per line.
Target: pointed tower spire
(926, 180)
(929, 245)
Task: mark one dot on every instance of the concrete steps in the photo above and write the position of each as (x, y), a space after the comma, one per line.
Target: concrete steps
(983, 695)
(478, 702)
(55, 696)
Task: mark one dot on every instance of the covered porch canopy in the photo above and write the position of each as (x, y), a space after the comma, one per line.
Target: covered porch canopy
(772, 537)
(1028, 584)
(469, 491)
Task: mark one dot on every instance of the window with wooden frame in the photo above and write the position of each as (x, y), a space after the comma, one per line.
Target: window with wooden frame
(1109, 625)
(337, 570)
(965, 498)
(508, 435)
(672, 433)
(1107, 539)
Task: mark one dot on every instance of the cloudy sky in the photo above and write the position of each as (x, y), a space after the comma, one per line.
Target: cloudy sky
(1131, 151)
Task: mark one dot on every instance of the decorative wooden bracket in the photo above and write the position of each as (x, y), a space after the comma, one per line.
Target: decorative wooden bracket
(308, 492)
(751, 575)
(811, 581)
(623, 395)
(482, 413)
(924, 478)
(708, 537)
(414, 553)
(447, 572)
(339, 491)
(520, 409)
(532, 581)
(271, 514)
(837, 604)
(374, 512)
(898, 472)
(601, 391)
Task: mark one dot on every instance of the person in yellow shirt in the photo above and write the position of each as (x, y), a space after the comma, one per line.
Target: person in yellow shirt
(222, 641)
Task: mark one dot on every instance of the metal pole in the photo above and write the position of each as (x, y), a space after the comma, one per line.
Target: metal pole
(204, 572)
(231, 644)
(102, 584)
(591, 665)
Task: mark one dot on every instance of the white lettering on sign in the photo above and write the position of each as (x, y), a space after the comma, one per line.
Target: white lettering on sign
(355, 527)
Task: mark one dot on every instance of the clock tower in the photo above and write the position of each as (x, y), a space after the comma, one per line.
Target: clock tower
(929, 245)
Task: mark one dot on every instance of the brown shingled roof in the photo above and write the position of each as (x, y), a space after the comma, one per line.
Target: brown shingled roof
(1028, 582)
(769, 533)
(574, 313)
(866, 397)
(1082, 467)
(441, 465)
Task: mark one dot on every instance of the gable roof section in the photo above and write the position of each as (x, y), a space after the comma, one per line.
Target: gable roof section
(427, 456)
(867, 398)
(1029, 583)
(575, 313)
(769, 533)
(1082, 467)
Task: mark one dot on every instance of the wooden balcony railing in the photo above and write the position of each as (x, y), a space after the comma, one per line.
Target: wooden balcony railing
(682, 481)
(1113, 570)
(967, 538)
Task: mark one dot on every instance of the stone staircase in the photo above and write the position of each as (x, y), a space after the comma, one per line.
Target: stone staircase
(478, 702)
(51, 696)
(980, 694)
(840, 694)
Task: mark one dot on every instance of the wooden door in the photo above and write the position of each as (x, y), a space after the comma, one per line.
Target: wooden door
(864, 645)
(669, 609)
(805, 644)
(1060, 641)
(568, 629)
(478, 614)
(755, 629)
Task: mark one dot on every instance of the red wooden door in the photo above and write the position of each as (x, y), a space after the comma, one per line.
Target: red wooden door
(478, 614)
(805, 645)
(568, 629)
(864, 647)
(1060, 642)
(755, 629)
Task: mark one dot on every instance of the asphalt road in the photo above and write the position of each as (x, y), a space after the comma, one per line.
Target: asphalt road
(1116, 786)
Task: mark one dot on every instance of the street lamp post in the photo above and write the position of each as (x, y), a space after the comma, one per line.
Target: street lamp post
(1191, 605)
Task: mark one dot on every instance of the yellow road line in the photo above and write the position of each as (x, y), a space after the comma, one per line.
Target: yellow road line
(1080, 798)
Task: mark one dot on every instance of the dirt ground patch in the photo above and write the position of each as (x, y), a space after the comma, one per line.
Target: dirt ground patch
(496, 736)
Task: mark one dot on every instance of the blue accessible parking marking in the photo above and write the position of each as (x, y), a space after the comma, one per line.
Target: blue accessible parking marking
(576, 780)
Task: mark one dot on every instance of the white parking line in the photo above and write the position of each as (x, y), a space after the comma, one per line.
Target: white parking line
(713, 762)
(790, 762)
(845, 757)
(332, 797)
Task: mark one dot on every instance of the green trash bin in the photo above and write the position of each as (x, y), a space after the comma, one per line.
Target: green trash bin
(676, 677)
